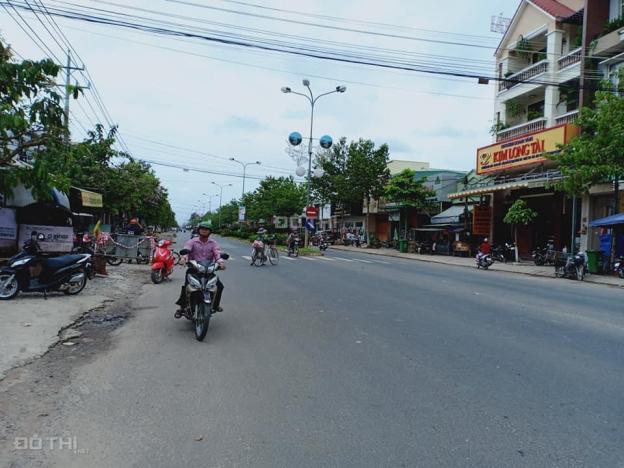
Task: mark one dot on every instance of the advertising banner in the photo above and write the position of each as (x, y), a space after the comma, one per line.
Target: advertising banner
(242, 212)
(91, 199)
(281, 222)
(57, 238)
(481, 220)
(526, 150)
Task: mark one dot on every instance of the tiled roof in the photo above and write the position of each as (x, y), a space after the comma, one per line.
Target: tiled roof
(553, 8)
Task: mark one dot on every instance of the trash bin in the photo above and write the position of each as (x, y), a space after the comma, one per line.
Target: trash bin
(593, 261)
(403, 246)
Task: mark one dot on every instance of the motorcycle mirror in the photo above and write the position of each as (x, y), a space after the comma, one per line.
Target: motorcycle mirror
(185, 252)
(225, 256)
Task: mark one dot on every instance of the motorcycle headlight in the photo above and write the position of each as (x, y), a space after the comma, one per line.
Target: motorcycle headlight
(211, 268)
(212, 283)
(20, 262)
(194, 283)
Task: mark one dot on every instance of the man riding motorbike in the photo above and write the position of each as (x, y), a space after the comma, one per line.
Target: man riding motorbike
(292, 237)
(202, 248)
(484, 249)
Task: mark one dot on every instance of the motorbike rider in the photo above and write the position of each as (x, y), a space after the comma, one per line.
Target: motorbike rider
(484, 249)
(134, 228)
(202, 249)
(293, 236)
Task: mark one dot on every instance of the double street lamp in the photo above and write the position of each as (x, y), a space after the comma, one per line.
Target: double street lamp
(244, 164)
(312, 100)
(210, 197)
(221, 198)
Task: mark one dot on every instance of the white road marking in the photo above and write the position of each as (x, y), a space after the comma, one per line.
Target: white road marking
(325, 258)
(287, 258)
(343, 259)
(363, 261)
(246, 257)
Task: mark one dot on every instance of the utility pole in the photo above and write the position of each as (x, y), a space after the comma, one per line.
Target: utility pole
(68, 69)
(221, 198)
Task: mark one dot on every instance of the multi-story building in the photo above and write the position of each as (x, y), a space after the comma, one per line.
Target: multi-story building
(604, 40)
(538, 73)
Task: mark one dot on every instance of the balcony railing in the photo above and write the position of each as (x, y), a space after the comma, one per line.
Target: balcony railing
(570, 59)
(523, 75)
(519, 130)
(568, 117)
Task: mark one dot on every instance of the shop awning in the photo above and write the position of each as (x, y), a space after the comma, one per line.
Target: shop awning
(608, 221)
(451, 215)
(489, 189)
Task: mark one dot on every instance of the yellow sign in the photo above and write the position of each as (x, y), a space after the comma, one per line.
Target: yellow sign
(526, 150)
(91, 199)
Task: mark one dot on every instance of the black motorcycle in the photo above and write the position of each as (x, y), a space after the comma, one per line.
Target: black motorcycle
(571, 266)
(29, 271)
(545, 255)
(200, 290)
(618, 267)
(504, 253)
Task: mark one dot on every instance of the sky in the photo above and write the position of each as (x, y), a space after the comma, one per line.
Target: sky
(196, 103)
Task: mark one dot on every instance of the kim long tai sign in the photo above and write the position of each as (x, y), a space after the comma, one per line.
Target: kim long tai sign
(527, 150)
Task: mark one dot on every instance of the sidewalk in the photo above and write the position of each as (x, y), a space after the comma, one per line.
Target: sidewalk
(32, 324)
(521, 268)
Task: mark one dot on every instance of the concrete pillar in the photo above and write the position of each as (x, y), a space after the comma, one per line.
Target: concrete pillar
(554, 40)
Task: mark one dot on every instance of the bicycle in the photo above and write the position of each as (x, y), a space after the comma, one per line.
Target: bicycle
(272, 253)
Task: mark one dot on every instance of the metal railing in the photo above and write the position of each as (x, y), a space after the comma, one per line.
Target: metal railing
(523, 75)
(518, 130)
(568, 117)
(571, 58)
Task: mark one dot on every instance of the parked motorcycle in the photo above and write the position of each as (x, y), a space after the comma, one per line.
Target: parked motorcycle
(618, 267)
(29, 271)
(504, 253)
(571, 266)
(162, 262)
(484, 261)
(545, 255)
(200, 290)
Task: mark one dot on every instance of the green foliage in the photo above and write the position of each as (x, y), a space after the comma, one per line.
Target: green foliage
(524, 48)
(497, 127)
(280, 196)
(31, 125)
(612, 25)
(519, 213)
(513, 108)
(405, 189)
(597, 155)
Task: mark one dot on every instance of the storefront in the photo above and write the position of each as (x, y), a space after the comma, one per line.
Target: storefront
(520, 169)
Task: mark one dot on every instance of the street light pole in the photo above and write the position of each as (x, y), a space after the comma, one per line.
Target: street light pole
(221, 198)
(312, 100)
(244, 164)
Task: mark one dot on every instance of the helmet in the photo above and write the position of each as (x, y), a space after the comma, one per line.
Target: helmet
(261, 230)
(204, 225)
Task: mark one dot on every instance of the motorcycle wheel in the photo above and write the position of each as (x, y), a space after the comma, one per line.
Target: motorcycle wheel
(202, 321)
(580, 273)
(539, 261)
(73, 290)
(114, 261)
(10, 290)
(157, 276)
(296, 253)
(559, 272)
(621, 273)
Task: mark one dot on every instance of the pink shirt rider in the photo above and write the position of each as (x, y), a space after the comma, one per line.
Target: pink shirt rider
(202, 251)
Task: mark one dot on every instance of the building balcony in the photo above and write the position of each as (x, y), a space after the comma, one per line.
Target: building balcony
(570, 59)
(523, 75)
(535, 125)
(568, 117)
(610, 43)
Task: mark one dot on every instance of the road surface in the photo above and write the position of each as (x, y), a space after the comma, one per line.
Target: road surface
(356, 361)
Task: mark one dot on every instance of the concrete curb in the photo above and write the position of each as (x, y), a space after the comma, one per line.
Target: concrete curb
(442, 262)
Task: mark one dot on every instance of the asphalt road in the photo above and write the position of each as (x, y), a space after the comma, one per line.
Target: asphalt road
(356, 360)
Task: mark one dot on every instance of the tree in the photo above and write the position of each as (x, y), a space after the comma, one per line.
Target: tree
(280, 196)
(405, 189)
(597, 154)
(519, 213)
(367, 173)
(31, 125)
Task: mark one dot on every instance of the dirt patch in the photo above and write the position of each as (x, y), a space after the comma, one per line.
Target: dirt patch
(30, 396)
